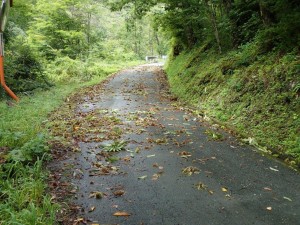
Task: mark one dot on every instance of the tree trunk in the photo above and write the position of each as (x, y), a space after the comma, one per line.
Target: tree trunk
(265, 14)
(213, 18)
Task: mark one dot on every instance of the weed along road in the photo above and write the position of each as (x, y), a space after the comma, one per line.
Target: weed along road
(144, 159)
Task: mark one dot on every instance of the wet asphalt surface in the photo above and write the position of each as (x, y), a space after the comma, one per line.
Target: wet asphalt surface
(224, 182)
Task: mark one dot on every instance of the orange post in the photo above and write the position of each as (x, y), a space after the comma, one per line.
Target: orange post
(3, 84)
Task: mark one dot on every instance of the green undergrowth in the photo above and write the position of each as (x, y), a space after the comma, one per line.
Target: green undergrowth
(24, 150)
(257, 95)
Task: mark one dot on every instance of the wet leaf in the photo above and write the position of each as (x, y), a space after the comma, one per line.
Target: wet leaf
(78, 221)
(214, 135)
(184, 154)
(161, 141)
(228, 196)
(155, 176)
(267, 189)
(273, 169)
(201, 186)
(92, 209)
(155, 165)
(137, 150)
(286, 198)
(224, 189)
(190, 170)
(127, 159)
(96, 194)
(143, 177)
(119, 193)
(122, 214)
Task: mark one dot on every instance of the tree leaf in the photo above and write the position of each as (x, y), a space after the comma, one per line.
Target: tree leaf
(122, 214)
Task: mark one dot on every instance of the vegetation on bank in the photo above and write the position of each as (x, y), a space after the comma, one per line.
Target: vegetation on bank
(257, 96)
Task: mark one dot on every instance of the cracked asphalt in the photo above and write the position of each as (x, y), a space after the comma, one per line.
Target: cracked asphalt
(177, 168)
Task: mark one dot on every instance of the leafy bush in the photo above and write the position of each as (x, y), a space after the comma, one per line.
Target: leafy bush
(23, 68)
(31, 151)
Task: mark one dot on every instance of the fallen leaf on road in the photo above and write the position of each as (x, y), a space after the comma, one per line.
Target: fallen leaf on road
(121, 214)
(155, 165)
(96, 194)
(184, 154)
(269, 208)
(224, 189)
(190, 170)
(92, 209)
(161, 141)
(155, 176)
(119, 193)
(286, 198)
(150, 156)
(143, 177)
(273, 169)
(127, 159)
(228, 196)
(78, 221)
(201, 186)
(267, 189)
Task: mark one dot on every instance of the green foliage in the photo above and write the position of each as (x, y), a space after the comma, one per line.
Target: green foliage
(224, 24)
(254, 93)
(116, 146)
(22, 67)
(31, 151)
(56, 29)
(22, 194)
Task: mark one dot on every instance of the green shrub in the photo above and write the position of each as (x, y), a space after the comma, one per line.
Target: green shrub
(23, 68)
(31, 151)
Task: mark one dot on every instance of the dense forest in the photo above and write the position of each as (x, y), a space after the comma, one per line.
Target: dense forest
(51, 41)
(234, 61)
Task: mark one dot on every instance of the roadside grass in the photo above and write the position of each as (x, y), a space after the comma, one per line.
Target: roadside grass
(24, 149)
(255, 94)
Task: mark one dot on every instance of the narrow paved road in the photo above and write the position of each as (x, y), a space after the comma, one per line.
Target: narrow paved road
(176, 168)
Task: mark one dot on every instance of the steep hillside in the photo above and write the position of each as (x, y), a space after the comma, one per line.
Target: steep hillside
(256, 95)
